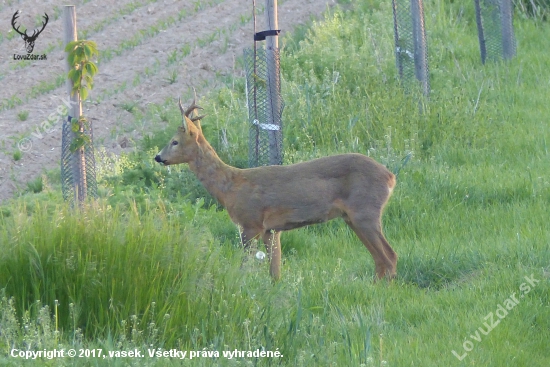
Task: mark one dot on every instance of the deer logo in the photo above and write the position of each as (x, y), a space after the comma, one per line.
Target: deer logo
(29, 40)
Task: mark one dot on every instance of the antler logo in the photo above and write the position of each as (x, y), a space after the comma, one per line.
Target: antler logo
(29, 40)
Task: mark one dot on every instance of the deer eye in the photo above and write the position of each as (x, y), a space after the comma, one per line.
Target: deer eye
(175, 142)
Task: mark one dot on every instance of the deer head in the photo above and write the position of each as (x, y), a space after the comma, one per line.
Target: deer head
(184, 144)
(29, 40)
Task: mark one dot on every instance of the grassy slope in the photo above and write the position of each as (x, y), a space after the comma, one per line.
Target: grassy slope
(468, 219)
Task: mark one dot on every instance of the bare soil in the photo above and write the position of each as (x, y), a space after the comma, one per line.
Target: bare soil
(195, 40)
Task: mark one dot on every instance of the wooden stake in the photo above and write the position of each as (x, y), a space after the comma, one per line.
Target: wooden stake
(273, 83)
(79, 163)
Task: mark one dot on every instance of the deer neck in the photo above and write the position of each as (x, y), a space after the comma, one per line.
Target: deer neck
(216, 176)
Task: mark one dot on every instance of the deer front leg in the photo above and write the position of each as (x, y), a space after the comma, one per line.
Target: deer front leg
(272, 240)
(248, 241)
(248, 235)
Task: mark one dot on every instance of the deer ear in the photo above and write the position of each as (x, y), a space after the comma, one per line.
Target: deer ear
(198, 124)
(184, 124)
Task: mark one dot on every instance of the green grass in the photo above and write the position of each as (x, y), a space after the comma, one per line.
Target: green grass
(155, 263)
(17, 155)
(23, 115)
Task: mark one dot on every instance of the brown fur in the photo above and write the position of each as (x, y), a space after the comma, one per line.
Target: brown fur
(267, 200)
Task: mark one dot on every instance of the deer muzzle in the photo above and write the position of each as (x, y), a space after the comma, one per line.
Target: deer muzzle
(159, 159)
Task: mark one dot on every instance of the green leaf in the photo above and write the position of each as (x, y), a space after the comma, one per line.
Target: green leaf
(76, 86)
(93, 46)
(70, 46)
(90, 49)
(89, 81)
(83, 94)
(76, 144)
(74, 75)
(88, 52)
(79, 52)
(70, 59)
(91, 68)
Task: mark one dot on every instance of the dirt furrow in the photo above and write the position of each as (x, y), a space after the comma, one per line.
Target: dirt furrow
(207, 57)
(114, 31)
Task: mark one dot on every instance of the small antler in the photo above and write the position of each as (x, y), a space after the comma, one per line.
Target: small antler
(191, 110)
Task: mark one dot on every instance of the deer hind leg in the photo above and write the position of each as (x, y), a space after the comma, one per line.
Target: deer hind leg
(272, 240)
(369, 231)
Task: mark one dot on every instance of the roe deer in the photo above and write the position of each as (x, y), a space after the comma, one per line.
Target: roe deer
(267, 200)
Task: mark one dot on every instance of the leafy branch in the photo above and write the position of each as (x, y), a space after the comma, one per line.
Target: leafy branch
(82, 68)
(81, 73)
(78, 126)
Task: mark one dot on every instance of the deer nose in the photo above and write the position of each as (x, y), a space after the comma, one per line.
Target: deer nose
(158, 159)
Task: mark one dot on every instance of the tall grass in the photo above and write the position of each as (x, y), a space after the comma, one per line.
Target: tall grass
(156, 264)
